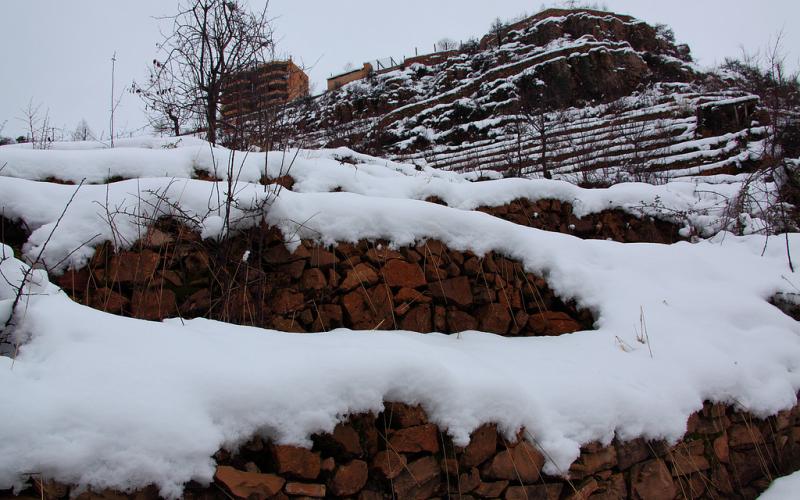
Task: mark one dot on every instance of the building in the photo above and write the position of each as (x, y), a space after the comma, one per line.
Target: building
(338, 81)
(261, 88)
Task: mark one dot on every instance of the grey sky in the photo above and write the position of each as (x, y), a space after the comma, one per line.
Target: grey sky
(58, 52)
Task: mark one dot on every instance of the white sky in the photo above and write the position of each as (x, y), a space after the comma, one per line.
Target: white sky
(58, 52)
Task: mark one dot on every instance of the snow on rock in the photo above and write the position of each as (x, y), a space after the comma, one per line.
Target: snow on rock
(100, 400)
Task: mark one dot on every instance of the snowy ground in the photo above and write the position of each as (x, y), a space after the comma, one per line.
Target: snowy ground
(784, 488)
(100, 400)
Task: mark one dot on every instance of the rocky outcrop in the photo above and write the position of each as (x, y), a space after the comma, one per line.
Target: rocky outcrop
(726, 453)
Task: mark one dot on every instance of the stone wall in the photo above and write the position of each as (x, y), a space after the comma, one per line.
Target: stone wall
(400, 454)
(558, 216)
(362, 286)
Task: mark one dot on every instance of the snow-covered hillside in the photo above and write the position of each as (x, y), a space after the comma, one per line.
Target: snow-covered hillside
(99, 400)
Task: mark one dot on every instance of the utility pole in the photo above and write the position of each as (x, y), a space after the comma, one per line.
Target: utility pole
(113, 72)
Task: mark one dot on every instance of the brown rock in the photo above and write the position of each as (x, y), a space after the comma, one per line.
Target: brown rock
(398, 273)
(389, 464)
(421, 479)
(369, 310)
(410, 296)
(287, 301)
(290, 325)
(744, 468)
(400, 415)
(418, 319)
(347, 438)
(416, 439)
(284, 181)
(459, 321)
(198, 302)
(481, 294)
(77, 281)
(382, 253)
(455, 290)
(322, 258)
(494, 318)
(293, 270)
(612, 489)
(511, 298)
(278, 254)
(536, 492)
(362, 275)
(552, 323)
(743, 435)
(297, 462)
(684, 463)
(439, 319)
(305, 490)
(472, 266)
(105, 299)
(491, 489)
(153, 304)
(329, 316)
(584, 490)
(481, 447)
(170, 277)
(468, 481)
(432, 248)
(156, 238)
(591, 462)
(721, 449)
(631, 452)
(523, 463)
(349, 479)
(249, 485)
(132, 267)
(651, 480)
(313, 279)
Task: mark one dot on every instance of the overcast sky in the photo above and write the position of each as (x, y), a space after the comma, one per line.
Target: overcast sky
(58, 52)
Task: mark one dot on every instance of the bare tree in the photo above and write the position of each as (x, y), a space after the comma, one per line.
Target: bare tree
(39, 131)
(211, 40)
(445, 44)
(83, 132)
(4, 140)
(498, 30)
(540, 108)
(167, 110)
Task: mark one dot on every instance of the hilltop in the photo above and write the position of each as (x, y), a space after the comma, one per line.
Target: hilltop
(614, 98)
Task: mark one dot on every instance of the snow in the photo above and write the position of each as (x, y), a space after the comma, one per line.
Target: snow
(105, 401)
(783, 488)
(111, 212)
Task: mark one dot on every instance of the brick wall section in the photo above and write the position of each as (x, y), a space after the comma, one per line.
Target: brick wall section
(399, 454)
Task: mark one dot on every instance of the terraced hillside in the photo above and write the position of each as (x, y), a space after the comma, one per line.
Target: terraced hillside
(611, 95)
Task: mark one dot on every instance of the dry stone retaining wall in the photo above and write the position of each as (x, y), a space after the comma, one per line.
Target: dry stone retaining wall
(399, 454)
(362, 286)
(558, 216)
